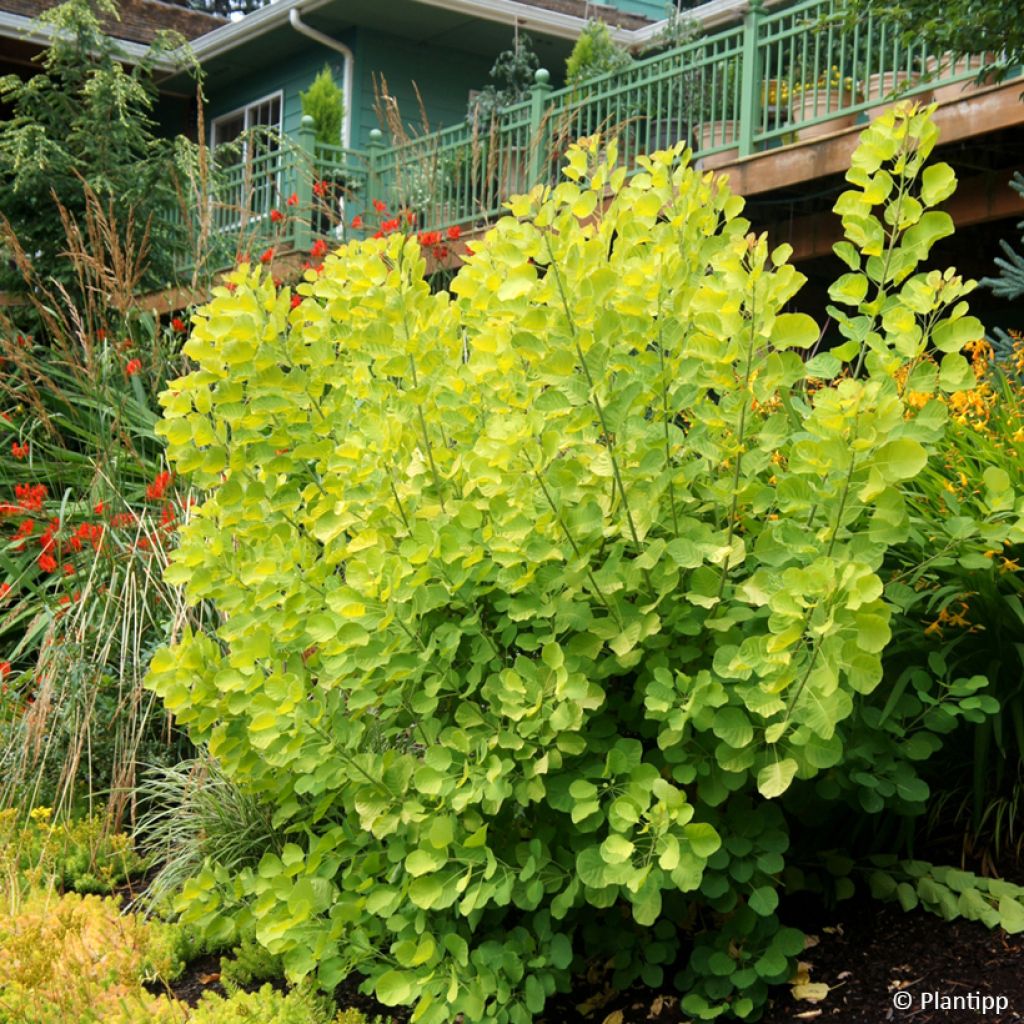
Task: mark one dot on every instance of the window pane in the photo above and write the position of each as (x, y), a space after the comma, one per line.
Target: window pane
(228, 129)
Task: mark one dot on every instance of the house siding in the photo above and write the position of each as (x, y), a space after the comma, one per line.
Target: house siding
(290, 77)
(443, 76)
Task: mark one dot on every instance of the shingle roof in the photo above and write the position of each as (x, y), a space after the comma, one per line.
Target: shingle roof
(140, 20)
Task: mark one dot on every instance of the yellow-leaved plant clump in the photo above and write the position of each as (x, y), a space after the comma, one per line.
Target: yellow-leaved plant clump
(75, 959)
(537, 595)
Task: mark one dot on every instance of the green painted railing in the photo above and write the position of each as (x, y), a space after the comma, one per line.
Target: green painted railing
(781, 76)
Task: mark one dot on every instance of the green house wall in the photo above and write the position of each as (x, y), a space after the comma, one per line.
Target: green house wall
(444, 78)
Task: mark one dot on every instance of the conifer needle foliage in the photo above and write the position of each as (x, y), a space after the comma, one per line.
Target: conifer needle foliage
(539, 595)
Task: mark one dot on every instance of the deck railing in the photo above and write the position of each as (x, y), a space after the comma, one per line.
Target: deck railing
(779, 76)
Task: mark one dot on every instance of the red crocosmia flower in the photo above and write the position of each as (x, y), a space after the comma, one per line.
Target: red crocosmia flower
(278, 281)
(69, 569)
(167, 516)
(47, 563)
(5, 669)
(319, 249)
(92, 533)
(98, 508)
(155, 491)
(19, 451)
(178, 325)
(296, 301)
(379, 205)
(133, 367)
(23, 342)
(276, 216)
(65, 599)
(231, 286)
(410, 217)
(320, 188)
(378, 234)
(454, 233)
(5, 415)
(101, 335)
(469, 250)
(357, 223)
(292, 200)
(30, 496)
(5, 589)
(268, 255)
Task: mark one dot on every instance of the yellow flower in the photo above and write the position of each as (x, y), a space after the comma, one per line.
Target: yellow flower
(40, 813)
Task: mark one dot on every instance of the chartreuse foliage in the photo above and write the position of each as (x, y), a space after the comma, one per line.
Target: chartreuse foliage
(537, 595)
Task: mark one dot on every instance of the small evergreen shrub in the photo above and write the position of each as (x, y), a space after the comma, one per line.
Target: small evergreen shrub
(595, 53)
(249, 962)
(78, 960)
(324, 102)
(542, 598)
(265, 1006)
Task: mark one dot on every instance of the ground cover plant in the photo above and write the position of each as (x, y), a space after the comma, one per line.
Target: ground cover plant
(548, 602)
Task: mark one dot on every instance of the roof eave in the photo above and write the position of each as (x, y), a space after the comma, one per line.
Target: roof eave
(30, 30)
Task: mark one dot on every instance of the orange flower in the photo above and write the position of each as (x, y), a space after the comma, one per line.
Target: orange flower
(19, 451)
(133, 367)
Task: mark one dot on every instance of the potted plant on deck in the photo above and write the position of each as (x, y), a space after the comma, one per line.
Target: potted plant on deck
(718, 132)
(829, 98)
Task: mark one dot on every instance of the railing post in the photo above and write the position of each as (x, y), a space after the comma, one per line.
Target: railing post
(538, 105)
(750, 78)
(374, 147)
(305, 157)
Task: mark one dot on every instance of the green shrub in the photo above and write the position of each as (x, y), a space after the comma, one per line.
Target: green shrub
(538, 596)
(595, 53)
(83, 855)
(84, 123)
(249, 962)
(267, 1006)
(324, 102)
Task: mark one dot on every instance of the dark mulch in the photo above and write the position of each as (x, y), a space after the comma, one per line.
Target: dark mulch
(866, 952)
(201, 975)
(875, 954)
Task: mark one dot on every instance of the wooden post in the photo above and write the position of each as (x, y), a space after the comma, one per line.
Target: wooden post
(306, 168)
(538, 130)
(750, 78)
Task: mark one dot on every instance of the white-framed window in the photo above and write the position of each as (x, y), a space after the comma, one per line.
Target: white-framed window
(254, 167)
(262, 113)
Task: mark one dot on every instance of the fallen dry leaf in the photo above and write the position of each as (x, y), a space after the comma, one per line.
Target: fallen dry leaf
(811, 992)
(615, 1017)
(810, 941)
(595, 1002)
(661, 1003)
(209, 979)
(807, 1015)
